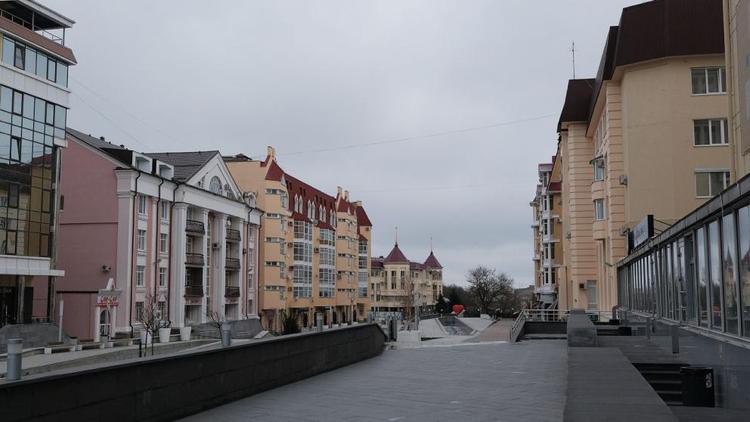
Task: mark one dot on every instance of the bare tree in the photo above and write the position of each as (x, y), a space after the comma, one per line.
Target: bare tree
(488, 288)
(216, 319)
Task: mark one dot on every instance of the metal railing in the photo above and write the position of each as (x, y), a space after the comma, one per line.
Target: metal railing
(194, 226)
(233, 234)
(232, 291)
(550, 315)
(23, 22)
(517, 326)
(232, 264)
(194, 259)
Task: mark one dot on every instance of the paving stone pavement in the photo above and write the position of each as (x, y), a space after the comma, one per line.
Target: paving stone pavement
(468, 382)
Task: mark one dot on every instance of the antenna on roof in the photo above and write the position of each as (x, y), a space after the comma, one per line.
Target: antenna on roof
(396, 236)
(573, 53)
(430, 244)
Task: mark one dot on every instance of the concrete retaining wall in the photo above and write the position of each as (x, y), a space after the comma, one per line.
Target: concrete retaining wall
(169, 387)
(544, 327)
(581, 331)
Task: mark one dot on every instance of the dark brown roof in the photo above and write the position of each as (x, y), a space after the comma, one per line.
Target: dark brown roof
(554, 186)
(362, 218)
(396, 256)
(186, 164)
(432, 262)
(577, 101)
(376, 262)
(274, 172)
(416, 266)
(296, 187)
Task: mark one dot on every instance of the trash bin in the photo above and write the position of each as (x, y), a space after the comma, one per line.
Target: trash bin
(697, 386)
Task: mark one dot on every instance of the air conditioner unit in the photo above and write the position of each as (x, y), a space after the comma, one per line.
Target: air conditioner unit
(582, 286)
(317, 250)
(289, 244)
(623, 180)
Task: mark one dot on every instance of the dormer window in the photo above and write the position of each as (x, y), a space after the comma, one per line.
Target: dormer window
(215, 185)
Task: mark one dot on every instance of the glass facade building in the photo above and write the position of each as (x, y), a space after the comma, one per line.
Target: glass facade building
(696, 272)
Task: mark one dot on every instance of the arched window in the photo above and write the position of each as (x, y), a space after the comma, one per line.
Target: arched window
(215, 185)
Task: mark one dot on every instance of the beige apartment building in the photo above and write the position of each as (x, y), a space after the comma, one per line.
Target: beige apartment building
(648, 136)
(547, 209)
(399, 285)
(737, 46)
(311, 246)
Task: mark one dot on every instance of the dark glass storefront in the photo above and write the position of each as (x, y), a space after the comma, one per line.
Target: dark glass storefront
(698, 271)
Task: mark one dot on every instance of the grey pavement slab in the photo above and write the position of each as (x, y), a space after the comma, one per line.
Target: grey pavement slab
(468, 382)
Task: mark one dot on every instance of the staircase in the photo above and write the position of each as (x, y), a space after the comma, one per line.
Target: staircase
(665, 379)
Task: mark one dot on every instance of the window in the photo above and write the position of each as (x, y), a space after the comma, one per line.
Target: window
(139, 311)
(599, 169)
(710, 132)
(743, 229)
(140, 275)
(164, 210)
(163, 242)
(599, 209)
(591, 295)
(162, 277)
(708, 80)
(19, 56)
(215, 185)
(35, 62)
(710, 183)
(141, 240)
(141, 205)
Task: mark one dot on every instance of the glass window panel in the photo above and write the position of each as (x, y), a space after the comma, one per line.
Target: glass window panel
(30, 60)
(44, 245)
(9, 49)
(20, 56)
(730, 266)
(723, 79)
(60, 114)
(6, 99)
(51, 70)
(743, 224)
(712, 78)
(41, 65)
(714, 259)
(62, 74)
(28, 106)
(717, 182)
(39, 109)
(702, 276)
(4, 148)
(26, 151)
(716, 137)
(699, 81)
(702, 184)
(17, 103)
(15, 149)
(50, 114)
(701, 132)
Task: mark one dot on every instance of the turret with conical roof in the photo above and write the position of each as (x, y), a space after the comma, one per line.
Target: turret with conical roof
(432, 263)
(396, 256)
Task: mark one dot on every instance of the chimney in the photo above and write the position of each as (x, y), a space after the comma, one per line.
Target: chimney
(346, 195)
(338, 190)
(271, 152)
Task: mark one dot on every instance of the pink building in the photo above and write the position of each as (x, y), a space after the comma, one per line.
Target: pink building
(172, 230)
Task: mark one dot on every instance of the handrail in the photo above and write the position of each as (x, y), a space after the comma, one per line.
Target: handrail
(23, 22)
(515, 330)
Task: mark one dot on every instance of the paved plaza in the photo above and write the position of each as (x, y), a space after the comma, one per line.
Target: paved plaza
(489, 381)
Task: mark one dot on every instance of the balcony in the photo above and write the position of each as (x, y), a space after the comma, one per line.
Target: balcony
(194, 290)
(231, 291)
(193, 226)
(232, 264)
(194, 259)
(233, 235)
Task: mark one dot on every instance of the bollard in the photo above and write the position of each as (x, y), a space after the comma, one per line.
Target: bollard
(319, 322)
(15, 355)
(226, 334)
(675, 331)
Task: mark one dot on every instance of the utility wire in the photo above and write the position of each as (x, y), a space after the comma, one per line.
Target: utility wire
(104, 116)
(417, 137)
(131, 115)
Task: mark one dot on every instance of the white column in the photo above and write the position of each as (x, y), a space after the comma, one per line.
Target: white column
(218, 266)
(208, 251)
(177, 256)
(125, 220)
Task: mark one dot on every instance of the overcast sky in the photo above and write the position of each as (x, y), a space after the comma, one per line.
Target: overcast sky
(319, 75)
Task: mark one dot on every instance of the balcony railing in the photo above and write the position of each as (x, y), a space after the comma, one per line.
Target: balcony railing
(195, 259)
(194, 226)
(233, 235)
(231, 291)
(23, 22)
(232, 264)
(193, 290)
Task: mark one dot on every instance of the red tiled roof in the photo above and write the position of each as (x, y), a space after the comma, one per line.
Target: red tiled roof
(432, 262)
(362, 237)
(395, 256)
(416, 266)
(343, 205)
(376, 262)
(296, 187)
(326, 226)
(274, 171)
(362, 218)
(554, 187)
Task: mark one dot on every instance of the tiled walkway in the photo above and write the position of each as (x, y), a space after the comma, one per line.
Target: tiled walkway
(467, 382)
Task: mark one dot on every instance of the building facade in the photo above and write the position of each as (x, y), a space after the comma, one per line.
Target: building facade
(737, 40)
(171, 230)
(402, 287)
(314, 247)
(34, 101)
(547, 229)
(651, 130)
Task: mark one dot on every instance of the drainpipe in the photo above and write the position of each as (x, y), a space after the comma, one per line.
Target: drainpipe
(157, 249)
(132, 257)
(169, 249)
